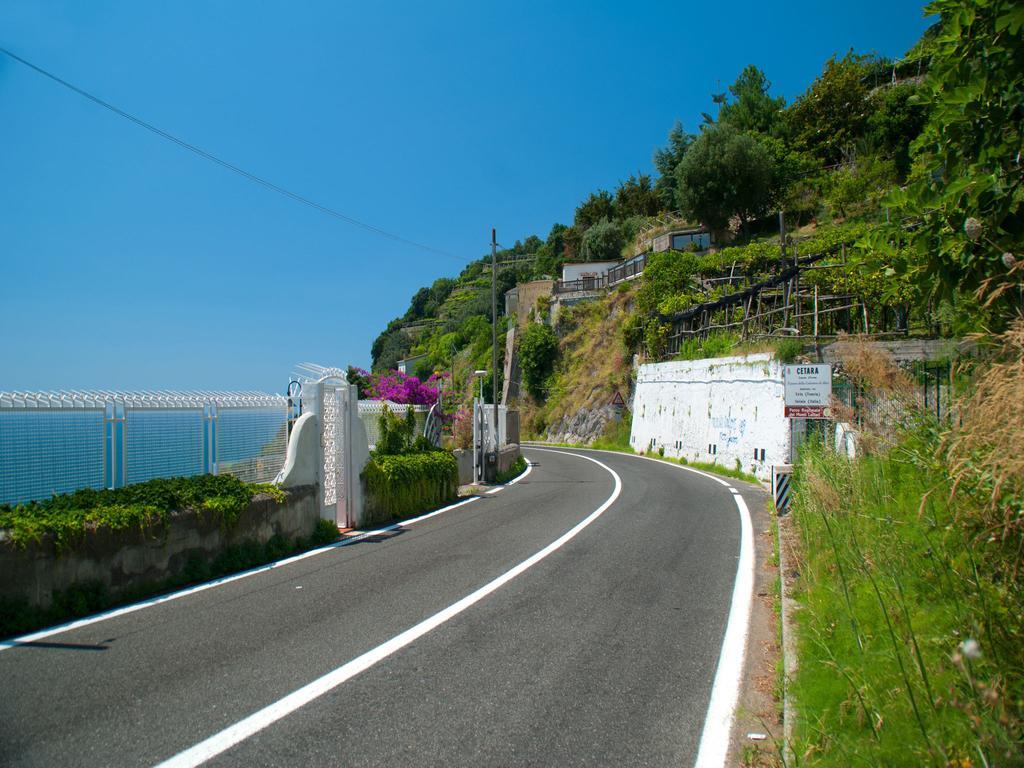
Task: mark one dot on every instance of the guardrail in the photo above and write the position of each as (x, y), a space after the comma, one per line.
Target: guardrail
(580, 284)
(626, 270)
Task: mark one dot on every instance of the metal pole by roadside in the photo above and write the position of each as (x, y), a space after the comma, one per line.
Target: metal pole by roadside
(494, 331)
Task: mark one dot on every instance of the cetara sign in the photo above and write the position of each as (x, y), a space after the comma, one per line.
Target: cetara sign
(808, 390)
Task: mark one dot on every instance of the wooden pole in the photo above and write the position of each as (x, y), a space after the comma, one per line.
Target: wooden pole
(815, 313)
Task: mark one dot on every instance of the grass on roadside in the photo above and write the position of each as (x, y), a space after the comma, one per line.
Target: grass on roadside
(910, 632)
(517, 468)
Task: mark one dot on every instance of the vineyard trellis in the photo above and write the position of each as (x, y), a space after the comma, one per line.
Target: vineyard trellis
(782, 304)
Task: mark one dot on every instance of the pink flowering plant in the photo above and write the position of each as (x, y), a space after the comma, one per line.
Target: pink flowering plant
(399, 387)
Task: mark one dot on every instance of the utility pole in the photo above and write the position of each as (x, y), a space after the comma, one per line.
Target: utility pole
(782, 265)
(494, 331)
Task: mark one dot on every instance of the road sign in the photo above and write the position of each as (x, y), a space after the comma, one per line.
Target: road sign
(808, 390)
(617, 401)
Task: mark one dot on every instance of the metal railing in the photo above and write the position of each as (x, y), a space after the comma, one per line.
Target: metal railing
(580, 284)
(627, 269)
(59, 442)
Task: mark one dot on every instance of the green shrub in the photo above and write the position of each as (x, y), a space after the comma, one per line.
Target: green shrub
(404, 485)
(517, 468)
(714, 345)
(537, 353)
(396, 435)
(787, 350)
(616, 435)
(325, 532)
(69, 516)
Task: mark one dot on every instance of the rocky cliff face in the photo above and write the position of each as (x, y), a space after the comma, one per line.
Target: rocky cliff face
(582, 427)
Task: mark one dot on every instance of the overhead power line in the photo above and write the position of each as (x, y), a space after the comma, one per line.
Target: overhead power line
(225, 164)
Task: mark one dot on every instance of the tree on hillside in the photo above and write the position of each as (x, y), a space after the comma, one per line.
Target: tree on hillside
(666, 159)
(537, 354)
(724, 173)
(897, 119)
(752, 110)
(966, 194)
(604, 241)
(598, 205)
(394, 346)
(833, 113)
(550, 256)
(636, 197)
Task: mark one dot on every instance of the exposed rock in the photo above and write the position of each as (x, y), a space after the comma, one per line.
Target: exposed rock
(585, 426)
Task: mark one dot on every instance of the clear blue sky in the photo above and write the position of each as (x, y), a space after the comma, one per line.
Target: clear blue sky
(126, 262)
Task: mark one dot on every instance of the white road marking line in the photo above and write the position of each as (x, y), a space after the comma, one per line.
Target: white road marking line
(115, 612)
(516, 479)
(256, 722)
(725, 690)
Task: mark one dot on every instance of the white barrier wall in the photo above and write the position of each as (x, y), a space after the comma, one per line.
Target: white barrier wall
(716, 410)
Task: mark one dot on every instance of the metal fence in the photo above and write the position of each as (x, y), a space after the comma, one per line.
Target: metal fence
(617, 274)
(370, 411)
(931, 393)
(59, 442)
(627, 269)
(595, 283)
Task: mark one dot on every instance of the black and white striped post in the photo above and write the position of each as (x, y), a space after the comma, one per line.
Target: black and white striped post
(781, 476)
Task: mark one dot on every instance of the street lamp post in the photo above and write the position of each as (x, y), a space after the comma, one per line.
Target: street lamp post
(479, 448)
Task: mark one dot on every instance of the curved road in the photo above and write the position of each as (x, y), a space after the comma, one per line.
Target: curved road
(599, 649)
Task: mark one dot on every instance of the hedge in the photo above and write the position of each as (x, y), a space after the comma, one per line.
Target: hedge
(68, 517)
(403, 485)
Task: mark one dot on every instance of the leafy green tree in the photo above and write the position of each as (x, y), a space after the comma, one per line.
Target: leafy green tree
(860, 184)
(636, 197)
(665, 161)
(598, 205)
(897, 119)
(394, 347)
(572, 240)
(538, 351)
(966, 195)
(550, 255)
(724, 173)
(753, 110)
(604, 241)
(666, 274)
(833, 113)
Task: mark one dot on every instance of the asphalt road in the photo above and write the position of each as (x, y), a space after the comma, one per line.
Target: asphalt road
(601, 653)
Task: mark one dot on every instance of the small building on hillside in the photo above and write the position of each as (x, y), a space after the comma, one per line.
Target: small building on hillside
(521, 299)
(408, 365)
(582, 270)
(688, 239)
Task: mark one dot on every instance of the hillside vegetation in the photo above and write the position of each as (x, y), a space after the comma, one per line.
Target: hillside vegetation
(829, 156)
(908, 177)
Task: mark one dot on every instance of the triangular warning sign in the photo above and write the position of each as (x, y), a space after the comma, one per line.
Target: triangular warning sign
(617, 400)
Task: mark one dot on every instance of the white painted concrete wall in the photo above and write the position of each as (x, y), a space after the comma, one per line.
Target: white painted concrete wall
(576, 270)
(716, 410)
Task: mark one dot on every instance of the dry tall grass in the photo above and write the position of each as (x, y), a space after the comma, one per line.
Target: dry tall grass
(886, 392)
(985, 451)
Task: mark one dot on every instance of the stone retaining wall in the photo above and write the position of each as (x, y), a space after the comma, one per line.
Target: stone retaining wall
(121, 560)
